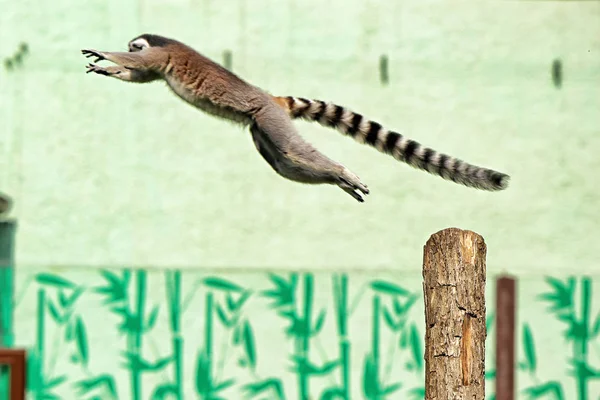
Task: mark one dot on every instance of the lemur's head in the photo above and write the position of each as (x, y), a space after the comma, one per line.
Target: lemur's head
(148, 40)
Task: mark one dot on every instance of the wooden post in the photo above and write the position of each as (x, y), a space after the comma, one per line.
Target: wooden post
(454, 289)
(15, 359)
(505, 338)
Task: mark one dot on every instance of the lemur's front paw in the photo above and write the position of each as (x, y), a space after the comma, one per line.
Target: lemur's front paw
(93, 53)
(352, 185)
(96, 69)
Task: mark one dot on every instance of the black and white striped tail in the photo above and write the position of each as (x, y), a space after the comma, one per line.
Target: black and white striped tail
(398, 146)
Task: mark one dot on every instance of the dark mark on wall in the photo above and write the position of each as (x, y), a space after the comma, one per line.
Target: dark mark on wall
(557, 73)
(16, 60)
(384, 75)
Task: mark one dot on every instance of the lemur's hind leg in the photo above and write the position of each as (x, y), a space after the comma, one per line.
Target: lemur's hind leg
(300, 162)
(122, 73)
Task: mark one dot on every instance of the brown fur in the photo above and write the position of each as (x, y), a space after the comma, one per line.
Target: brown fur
(219, 92)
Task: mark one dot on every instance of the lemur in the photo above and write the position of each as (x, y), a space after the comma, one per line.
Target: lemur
(217, 91)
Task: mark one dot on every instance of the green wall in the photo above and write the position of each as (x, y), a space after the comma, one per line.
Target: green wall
(136, 334)
(106, 174)
(109, 173)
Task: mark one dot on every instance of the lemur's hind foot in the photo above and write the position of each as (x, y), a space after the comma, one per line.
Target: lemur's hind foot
(351, 184)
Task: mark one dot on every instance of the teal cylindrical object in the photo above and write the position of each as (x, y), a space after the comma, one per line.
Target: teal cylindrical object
(7, 265)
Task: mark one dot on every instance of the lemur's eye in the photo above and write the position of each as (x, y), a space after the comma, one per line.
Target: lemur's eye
(133, 47)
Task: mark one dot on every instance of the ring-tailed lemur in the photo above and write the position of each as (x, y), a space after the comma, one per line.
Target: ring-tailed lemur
(217, 91)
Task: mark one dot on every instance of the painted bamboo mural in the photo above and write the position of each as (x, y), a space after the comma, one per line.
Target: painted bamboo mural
(580, 331)
(302, 338)
(340, 299)
(298, 336)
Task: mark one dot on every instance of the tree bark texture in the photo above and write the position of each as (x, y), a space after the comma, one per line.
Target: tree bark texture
(454, 288)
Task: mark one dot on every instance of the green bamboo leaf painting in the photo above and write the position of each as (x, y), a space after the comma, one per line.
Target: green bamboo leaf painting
(319, 323)
(223, 318)
(303, 366)
(284, 293)
(105, 382)
(398, 307)
(233, 305)
(576, 330)
(52, 383)
(112, 278)
(529, 348)
(249, 345)
(121, 310)
(230, 302)
(522, 366)
(567, 286)
(333, 394)
(539, 391)
(222, 386)
(82, 344)
(54, 280)
(62, 299)
(596, 326)
(152, 319)
(489, 321)
(297, 328)
(116, 289)
(54, 313)
(566, 317)
(280, 282)
(237, 334)
(390, 389)
(401, 309)
(403, 339)
(327, 368)
(166, 390)
(417, 393)
(159, 364)
(242, 300)
(133, 361)
(272, 385)
(389, 288)
(388, 319)
(415, 342)
(562, 295)
(222, 284)
(581, 370)
(67, 301)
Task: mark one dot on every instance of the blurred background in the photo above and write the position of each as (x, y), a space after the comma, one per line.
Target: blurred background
(150, 252)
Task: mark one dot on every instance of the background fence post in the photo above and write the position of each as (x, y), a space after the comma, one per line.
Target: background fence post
(505, 338)
(454, 289)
